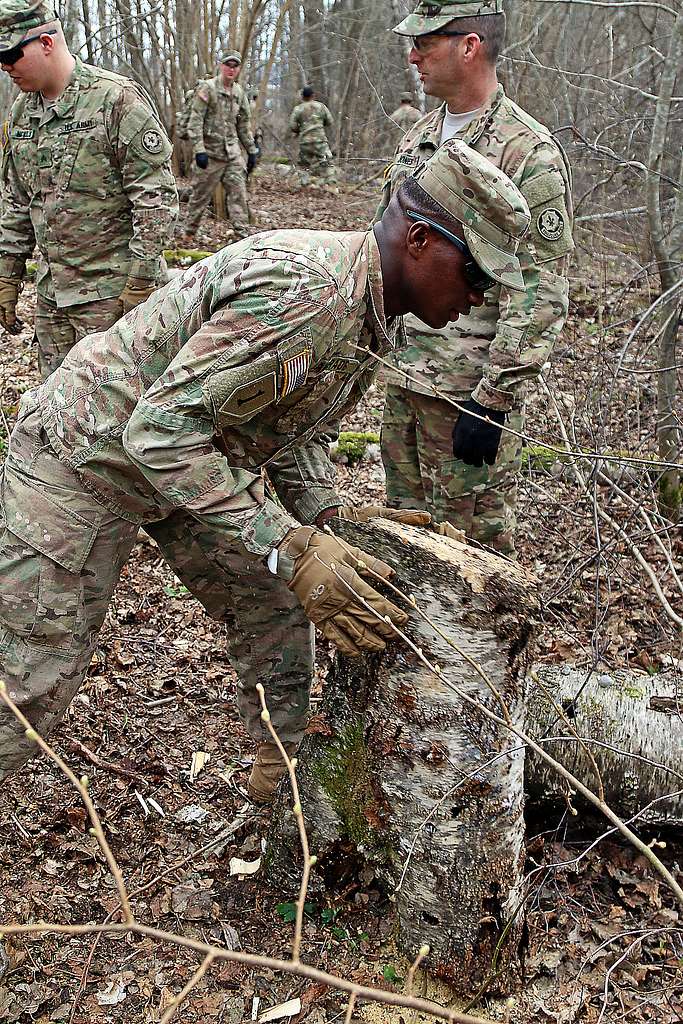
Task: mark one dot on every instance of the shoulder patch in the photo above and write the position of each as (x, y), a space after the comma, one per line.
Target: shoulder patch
(238, 394)
(152, 141)
(294, 371)
(203, 93)
(550, 223)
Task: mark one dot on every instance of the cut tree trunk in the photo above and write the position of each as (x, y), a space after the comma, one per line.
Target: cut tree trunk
(612, 713)
(399, 771)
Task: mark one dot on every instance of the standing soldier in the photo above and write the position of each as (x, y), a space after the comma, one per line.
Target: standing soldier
(87, 180)
(405, 116)
(487, 359)
(219, 128)
(308, 122)
(243, 362)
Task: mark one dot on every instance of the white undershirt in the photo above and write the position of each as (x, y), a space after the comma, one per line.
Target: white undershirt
(454, 123)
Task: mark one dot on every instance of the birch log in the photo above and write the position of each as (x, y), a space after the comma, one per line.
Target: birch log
(631, 724)
(402, 773)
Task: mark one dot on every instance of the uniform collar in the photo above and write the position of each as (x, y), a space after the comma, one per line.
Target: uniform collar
(67, 101)
(431, 133)
(375, 291)
(227, 90)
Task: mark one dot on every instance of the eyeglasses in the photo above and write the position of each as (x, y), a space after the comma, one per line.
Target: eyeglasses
(418, 41)
(475, 276)
(11, 56)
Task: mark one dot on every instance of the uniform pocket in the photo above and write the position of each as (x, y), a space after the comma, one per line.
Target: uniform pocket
(43, 549)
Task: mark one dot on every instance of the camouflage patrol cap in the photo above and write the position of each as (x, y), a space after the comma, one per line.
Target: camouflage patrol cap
(431, 15)
(493, 212)
(230, 55)
(18, 17)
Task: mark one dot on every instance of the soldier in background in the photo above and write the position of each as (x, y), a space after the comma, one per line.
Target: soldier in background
(87, 180)
(405, 116)
(243, 362)
(308, 122)
(219, 128)
(468, 475)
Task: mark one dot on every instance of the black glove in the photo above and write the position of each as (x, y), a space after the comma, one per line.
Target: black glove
(252, 160)
(476, 442)
(202, 160)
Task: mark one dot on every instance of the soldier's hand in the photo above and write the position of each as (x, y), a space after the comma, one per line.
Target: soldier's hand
(362, 514)
(202, 160)
(9, 294)
(325, 574)
(474, 441)
(137, 290)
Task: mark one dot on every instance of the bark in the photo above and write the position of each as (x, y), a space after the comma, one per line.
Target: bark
(401, 773)
(641, 715)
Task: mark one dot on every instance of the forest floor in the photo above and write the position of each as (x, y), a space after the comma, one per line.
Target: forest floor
(605, 940)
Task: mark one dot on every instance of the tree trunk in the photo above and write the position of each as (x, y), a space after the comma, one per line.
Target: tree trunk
(401, 772)
(617, 712)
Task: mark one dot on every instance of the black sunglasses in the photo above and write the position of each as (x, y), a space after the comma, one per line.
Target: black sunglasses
(475, 276)
(11, 56)
(415, 40)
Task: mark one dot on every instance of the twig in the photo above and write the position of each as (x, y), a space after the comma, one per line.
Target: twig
(191, 985)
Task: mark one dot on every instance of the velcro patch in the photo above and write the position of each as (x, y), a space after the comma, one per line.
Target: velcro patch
(295, 371)
(238, 394)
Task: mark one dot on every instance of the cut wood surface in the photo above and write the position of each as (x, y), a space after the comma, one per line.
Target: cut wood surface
(400, 771)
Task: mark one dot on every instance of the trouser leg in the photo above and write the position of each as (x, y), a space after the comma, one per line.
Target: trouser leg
(57, 330)
(270, 640)
(61, 554)
(480, 501)
(204, 182)
(399, 451)
(236, 199)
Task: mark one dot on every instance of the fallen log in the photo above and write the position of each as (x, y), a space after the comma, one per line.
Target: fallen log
(632, 725)
(401, 772)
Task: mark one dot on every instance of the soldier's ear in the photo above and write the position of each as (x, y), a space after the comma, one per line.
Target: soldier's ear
(417, 238)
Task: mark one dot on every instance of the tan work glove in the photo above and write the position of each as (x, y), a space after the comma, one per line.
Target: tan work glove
(447, 530)
(9, 293)
(137, 290)
(362, 514)
(326, 580)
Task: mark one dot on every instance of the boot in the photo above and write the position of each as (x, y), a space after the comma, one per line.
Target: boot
(267, 771)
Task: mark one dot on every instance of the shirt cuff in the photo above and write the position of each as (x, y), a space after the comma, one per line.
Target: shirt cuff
(492, 398)
(310, 503)
(268, 529)
(153, 270)
(13, 266)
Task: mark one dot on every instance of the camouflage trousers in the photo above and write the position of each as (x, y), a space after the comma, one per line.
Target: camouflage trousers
(316, 161)
(61, 555)
(58, 329)
(417, 452)
(231, 174)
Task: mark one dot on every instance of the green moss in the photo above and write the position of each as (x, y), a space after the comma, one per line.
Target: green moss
(343, 770)
(353, 444)
(539, 458)
(185, 257)
(670, 499)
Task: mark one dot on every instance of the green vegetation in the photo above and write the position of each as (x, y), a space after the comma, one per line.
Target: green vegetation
(353, 444)
(343, 770)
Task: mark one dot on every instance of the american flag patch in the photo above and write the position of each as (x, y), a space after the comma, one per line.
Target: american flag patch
(295, 371)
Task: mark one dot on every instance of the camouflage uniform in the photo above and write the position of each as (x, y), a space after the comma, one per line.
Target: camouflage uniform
(308, 122)
(405, 116)
(256, 348)
(88, 181)
(492, 353)
(220, 126)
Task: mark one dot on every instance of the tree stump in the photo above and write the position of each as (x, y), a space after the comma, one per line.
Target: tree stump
(399, 771)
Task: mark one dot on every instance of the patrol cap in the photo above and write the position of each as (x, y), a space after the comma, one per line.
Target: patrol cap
(230, 55)
(406, 97)
(18, 17)
(493, 212)
(431, 15)
(307, 91)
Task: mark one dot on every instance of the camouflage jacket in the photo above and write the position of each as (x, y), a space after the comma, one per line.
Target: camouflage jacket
(404, 117)
(220, 119)
(241, 365)
(88, 181)
(492, 352)
(309, 120)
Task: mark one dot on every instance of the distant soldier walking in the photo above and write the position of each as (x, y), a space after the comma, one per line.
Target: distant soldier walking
(308, 122)
(87, 180)
(219, 128)
(405, 116)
